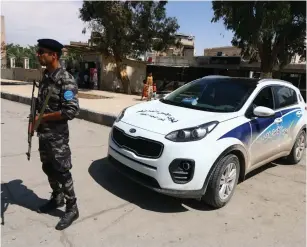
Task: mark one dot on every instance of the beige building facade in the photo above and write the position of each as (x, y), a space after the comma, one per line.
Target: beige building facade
(222, 51)
(186, 49)
(3, 42)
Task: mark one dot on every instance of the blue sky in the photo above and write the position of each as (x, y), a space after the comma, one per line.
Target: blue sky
(194, 19)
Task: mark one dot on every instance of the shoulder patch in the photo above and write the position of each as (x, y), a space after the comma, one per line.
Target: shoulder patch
(68, 95)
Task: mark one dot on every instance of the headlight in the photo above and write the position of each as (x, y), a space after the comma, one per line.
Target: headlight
(120, 115)
(192, 134)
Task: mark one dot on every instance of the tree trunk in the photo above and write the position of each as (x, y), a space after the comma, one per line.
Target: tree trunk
(266, 67)
(123, 76)
(267, 61)
(277, 75)
(264, 75)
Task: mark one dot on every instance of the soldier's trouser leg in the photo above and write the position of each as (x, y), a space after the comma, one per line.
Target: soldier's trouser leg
(63, 175)
(54, 184)
(72, 212)
(65, 179)
(57, 198)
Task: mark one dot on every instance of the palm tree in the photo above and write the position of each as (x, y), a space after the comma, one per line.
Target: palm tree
(20, 53)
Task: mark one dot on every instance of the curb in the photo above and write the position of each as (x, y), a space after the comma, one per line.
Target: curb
(84, 114)
(6, 83)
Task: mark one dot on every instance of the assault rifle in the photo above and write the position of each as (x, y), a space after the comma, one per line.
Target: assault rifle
(31, 120)
(32, 116)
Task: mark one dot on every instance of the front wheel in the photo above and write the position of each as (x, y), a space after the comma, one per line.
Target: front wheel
(223, 181)
(298, 148)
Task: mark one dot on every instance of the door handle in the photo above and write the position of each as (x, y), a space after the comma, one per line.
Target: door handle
(278, 120)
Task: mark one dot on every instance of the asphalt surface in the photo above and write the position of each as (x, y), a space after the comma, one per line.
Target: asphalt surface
(268, 209)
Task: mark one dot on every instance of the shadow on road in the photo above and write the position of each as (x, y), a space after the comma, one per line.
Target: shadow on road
(15, 193)
(259, 170)
(282, 162)
(275, 163)
(116, 183)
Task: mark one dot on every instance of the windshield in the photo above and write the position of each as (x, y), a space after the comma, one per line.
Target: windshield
(213, 94)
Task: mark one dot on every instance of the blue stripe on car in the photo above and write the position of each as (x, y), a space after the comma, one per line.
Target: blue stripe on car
(243, 131)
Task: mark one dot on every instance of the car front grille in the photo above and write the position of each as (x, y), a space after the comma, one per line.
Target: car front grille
(138, 145)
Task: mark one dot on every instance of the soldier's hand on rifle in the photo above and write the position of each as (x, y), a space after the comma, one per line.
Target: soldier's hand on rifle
(33, 123)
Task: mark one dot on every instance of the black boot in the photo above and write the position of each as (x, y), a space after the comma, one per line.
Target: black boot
(71, 214)
(56, 201)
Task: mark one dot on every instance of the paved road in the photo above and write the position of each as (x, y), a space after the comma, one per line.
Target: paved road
(268, 209)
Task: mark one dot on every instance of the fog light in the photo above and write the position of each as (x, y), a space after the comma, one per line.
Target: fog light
(186, 165)
(182, 170)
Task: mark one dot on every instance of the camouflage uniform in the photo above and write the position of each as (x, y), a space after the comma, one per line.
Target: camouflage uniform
(54, 147)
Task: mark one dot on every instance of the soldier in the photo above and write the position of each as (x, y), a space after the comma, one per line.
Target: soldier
(53, 130)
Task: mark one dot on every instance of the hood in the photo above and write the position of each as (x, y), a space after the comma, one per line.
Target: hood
(163, 118)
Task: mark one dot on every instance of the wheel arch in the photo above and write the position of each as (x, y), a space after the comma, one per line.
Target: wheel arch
(302, 128)
(237, 150)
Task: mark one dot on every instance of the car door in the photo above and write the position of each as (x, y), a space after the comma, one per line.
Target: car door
(263, 143)
(292, 115)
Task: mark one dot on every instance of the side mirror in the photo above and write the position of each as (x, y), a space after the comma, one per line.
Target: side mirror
(261, 111)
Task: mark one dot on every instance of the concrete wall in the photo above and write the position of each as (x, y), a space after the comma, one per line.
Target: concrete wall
(136, 71)
(7, 74)
(21, 74)
(188, 53)
(174, 61)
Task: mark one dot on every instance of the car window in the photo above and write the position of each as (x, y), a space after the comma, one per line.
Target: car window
(264, 98)
(212, 94)
(284, 96)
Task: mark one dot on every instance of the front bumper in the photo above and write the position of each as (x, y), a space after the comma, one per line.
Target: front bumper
(155, 173)
(151, 183)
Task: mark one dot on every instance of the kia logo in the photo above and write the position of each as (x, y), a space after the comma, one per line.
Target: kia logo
(132, 130)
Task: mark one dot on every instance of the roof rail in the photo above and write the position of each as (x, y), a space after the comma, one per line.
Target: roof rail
(272, 79)
(216, 76)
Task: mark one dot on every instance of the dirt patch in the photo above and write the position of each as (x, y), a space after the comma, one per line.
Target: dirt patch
(92, 96)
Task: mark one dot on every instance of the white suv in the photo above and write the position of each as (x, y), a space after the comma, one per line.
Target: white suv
(198, 141)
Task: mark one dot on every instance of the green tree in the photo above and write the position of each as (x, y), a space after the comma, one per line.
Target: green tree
(30, 52)
(124, 29)
(272, 31)
(20, 52)
(73, 58)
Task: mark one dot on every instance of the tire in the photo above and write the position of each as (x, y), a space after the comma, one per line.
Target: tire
(212, 196)
(300, 144)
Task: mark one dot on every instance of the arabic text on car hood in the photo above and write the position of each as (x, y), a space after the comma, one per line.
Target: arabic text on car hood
(163, 118)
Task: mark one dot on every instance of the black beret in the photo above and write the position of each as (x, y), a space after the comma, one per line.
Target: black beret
(50, 44)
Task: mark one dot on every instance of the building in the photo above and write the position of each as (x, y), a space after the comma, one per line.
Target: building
(186, 49)
(3, 42)
(222, 51)
(180, 69)
(235, 51)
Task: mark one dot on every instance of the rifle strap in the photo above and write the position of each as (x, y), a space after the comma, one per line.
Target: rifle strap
(43, 108)
(56, 78)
